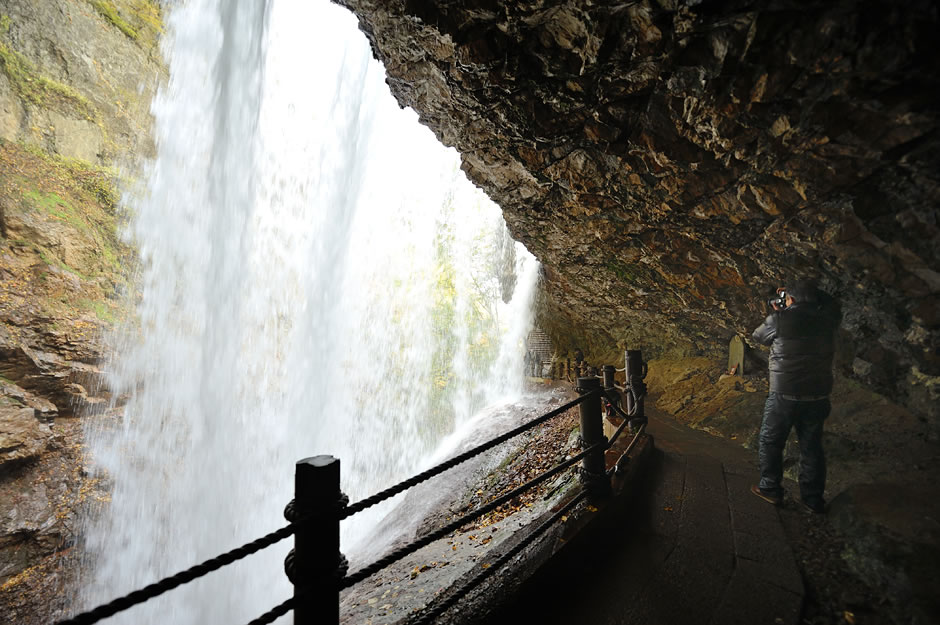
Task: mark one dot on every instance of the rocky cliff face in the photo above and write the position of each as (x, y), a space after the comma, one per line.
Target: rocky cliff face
(76, 80)
(671, 162)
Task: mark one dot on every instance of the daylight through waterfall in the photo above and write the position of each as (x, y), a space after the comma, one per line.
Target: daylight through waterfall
(316, 276)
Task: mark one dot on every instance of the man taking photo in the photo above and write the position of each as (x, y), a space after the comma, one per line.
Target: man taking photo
(801, 332)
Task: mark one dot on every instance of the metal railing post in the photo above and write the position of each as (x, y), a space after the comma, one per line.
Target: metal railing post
(593, 467)
(608, 376)
(315, 564)
(635, 371)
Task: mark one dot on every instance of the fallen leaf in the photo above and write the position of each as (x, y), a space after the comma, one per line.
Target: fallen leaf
(849, 617)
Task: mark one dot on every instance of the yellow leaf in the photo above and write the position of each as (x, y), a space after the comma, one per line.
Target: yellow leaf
(849, 617)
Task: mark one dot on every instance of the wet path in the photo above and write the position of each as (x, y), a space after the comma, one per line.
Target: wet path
(696, 547)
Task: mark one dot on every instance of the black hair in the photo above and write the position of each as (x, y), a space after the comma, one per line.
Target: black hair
(804, 291)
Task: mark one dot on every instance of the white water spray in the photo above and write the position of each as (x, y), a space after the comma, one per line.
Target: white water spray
(317, 277)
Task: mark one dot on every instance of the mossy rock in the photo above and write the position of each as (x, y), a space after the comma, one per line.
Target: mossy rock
(61, 254)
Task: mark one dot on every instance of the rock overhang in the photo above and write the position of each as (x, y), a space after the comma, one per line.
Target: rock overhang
(670, 163)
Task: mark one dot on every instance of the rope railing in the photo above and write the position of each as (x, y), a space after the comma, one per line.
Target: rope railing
(426, 540)
(274, 613)
(456, 460)
(319, 506)
(167, 584)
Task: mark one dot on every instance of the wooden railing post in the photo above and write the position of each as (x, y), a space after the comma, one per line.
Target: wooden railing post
(315, 564)
(635, 371)
(593, 467)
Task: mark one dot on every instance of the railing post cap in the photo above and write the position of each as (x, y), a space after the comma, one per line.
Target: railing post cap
(318, 461)
(589, 382)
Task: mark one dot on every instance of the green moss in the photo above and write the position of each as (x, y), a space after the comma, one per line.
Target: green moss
(148, 13)
(622, 271)
(82, 196)
(59, 208)
(99, 181)
(82, 199)
(110, 13)
(47, 257)
(100, 308)
(140, 20)
(40, 90)
(5, 23)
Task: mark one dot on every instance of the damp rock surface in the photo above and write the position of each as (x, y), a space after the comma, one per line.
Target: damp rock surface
(76, 82)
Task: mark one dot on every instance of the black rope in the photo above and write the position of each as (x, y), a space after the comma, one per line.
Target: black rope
(636, 404)
(401, 552)
(183, 577)
(626, 417)
(449, 601)
(640, 431)
(388, 493)
(274, 613)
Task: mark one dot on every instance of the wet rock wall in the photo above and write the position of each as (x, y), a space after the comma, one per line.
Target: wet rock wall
(76, 81)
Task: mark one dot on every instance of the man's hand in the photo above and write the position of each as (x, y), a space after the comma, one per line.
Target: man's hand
(780, 289)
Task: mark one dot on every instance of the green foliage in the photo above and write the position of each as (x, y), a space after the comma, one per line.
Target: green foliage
(5, 23)
(38, 89)
(478, 344)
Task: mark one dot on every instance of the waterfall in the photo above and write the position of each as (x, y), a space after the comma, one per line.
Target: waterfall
(316, 276)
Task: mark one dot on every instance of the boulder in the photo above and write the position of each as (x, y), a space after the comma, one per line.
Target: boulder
(23, 437)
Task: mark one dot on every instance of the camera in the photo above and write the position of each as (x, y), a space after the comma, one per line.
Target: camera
(780, 299)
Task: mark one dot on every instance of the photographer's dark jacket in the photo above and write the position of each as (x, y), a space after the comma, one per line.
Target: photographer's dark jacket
(802, 340)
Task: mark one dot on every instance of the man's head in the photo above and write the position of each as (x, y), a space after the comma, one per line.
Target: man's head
(803, 291)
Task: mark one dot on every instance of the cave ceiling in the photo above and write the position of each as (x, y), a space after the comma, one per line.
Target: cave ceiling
(671, 162)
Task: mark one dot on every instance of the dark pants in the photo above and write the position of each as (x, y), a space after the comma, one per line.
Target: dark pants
(807, 417)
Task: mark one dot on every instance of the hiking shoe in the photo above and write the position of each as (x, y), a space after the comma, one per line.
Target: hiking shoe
(769, 498)
(815, 507)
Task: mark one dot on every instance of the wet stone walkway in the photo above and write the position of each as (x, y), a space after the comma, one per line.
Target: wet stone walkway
(695, 547)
